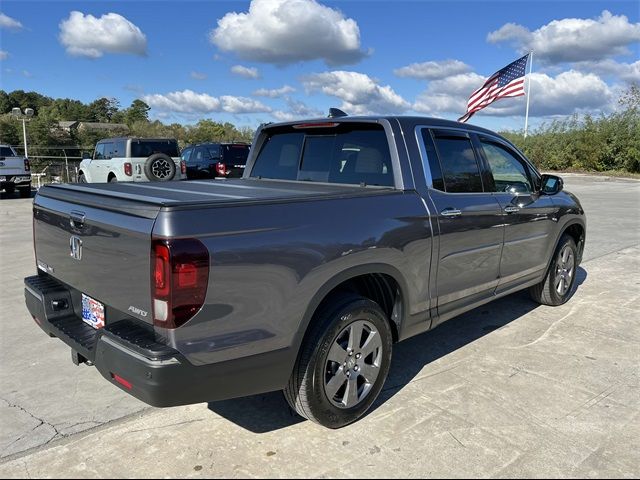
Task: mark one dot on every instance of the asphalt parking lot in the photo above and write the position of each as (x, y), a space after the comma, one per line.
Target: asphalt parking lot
(511, 389)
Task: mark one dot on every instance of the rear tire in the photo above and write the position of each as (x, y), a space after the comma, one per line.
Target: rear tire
(113, 179)
(343, 362)
(559, 283)
(25, 192)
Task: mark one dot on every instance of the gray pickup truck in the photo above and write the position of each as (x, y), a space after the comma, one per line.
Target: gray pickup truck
(344, 236)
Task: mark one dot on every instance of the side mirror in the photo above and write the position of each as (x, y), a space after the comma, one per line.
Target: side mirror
(551, 184)
(86, 156)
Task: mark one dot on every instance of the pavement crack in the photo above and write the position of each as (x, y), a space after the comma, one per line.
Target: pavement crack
(454, 437)
(186, 422)
(40, 421)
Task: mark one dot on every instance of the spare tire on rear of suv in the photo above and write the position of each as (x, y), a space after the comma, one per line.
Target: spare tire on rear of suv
(159, 167)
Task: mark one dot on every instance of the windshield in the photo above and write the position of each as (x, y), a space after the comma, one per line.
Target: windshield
(235, 154)
(146, 148)
(345, 153)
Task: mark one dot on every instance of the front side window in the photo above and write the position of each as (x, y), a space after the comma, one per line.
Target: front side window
(509, 174)
(108, 150)
(99, 153)
(460, 169)
(344, 153)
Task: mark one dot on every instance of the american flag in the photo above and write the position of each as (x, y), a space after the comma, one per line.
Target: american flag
(508, 82)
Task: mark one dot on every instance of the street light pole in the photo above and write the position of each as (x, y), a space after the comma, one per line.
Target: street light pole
(25, 117)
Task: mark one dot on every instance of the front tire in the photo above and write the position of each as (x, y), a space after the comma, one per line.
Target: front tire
(343, 362)
(559, 283)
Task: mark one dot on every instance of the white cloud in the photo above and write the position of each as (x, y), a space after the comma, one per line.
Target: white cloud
(289, 31)
(9, 23)
(274, 93)
(565, 94)
(88, 36)
(296, 110)
(627, 72)
(448, 96)
(573, 39)
(433, 70)
(198, 75)
(190, 102)
(245, 72)
(360, 94)
(27, 74)
(4, 54)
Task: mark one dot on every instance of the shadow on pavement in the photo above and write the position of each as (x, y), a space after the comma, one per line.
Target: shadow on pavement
(268, 412)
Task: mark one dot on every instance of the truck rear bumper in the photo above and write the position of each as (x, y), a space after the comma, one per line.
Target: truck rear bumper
(128, 356)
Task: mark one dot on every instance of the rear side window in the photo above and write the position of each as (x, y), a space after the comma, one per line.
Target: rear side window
(235, 154)
(146, 148)
(346, 154)
(6, 152)
(459, 164)
(119, 148)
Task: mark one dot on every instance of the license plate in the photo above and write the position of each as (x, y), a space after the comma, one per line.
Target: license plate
(92, 312)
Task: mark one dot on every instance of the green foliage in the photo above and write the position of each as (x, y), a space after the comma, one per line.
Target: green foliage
(609, 142)
(43, 129)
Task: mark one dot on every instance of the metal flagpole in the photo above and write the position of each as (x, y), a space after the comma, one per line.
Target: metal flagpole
(526, 117)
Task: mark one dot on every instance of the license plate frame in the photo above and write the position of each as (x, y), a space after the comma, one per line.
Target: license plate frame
(93, 312)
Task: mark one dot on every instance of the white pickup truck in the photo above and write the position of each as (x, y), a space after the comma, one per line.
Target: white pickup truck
(15, 172)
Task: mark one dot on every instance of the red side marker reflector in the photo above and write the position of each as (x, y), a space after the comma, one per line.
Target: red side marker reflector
(36, 320)
(122, 381)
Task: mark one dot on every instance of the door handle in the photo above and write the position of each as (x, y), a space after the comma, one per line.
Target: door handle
(451, 212)
(511, 209)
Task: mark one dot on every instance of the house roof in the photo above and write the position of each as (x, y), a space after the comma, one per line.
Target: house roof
(103, 126)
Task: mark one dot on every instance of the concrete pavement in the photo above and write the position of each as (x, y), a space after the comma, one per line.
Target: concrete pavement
(510, 389)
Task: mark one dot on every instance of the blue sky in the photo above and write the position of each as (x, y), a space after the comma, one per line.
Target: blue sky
(417, 57)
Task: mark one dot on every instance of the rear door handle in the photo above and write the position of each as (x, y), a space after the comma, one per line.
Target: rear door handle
(511, 209)
(451, 212)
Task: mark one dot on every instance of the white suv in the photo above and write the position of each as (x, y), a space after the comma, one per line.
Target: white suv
(15, 173)
(133, 160)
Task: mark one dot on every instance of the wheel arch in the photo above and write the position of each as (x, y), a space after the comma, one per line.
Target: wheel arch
(381, 283)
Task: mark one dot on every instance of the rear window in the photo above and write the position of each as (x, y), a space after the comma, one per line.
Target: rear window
(345, 154)
(146, 148)
(6, 152)
(235, 154)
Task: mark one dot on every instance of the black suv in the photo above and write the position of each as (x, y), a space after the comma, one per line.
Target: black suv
(210, 160)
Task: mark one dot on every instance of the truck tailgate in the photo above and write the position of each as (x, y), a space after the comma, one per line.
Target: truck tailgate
(104, 253)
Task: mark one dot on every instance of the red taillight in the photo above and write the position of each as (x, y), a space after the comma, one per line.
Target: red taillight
(221, 169)
(128, 170)
(180, 275)
(126, 384)
(27, 165)
(183, 167)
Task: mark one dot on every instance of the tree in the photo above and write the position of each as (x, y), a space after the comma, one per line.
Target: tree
(103, 109)
(137, 112)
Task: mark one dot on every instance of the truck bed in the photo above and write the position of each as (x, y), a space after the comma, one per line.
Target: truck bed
(142, 199)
